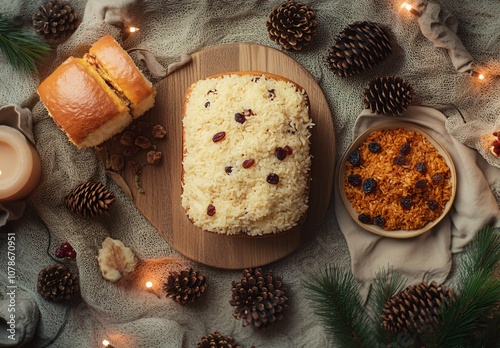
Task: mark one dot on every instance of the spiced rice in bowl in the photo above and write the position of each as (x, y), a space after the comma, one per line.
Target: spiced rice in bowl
(396, 180)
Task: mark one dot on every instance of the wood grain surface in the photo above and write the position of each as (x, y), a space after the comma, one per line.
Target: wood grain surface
(161, 202)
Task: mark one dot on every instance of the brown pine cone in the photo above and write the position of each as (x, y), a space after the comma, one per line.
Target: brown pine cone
(185, 287)
(57, 283)
(55, 19)
(388, 95)
(292, 25)
(416, 308)
(359, 47)
(216, 340)
(89, 199)
(259, 298)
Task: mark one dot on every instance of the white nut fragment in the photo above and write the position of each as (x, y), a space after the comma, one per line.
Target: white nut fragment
(115, 259)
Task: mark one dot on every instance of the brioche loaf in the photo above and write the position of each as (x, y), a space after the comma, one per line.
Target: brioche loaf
(97, 96)
(246, 157)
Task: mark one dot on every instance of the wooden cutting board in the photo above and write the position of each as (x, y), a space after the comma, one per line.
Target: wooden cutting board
(161, 202)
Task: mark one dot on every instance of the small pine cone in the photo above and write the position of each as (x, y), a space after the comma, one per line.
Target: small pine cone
(388, 95)
(57, 283)
(292, 25)
(55, 19)
(216, 340)
(89, 199)
(359, 47)
(185, 287)
(416, 308)
(259, 298)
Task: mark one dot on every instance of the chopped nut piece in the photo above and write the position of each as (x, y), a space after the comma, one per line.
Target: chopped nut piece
(127, 138)
(158, 132)
(143, 142)
(154, 157)
(117, 162)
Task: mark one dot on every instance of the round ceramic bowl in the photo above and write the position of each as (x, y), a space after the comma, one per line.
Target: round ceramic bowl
(372, 227)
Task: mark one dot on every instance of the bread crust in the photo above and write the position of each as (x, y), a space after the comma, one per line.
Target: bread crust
(241, 73)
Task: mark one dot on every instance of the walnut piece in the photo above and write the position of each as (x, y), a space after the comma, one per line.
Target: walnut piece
(154, 157)
(115, 259)
(158, 132)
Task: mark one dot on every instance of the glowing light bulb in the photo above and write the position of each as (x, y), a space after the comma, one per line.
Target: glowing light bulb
(477, 75)
(133, 29)
(105, 343)
(149, 285)
(410, 8)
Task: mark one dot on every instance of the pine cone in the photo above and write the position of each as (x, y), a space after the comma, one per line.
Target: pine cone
(55, 19)
(57, 283)
(292, 25)
(259, 298)
(89, 199)
(416, 308)
(360, 46)
(216, 340)
(388, 95)
(185, 287)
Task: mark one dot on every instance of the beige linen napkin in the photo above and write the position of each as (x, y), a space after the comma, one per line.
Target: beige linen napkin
(428, 256)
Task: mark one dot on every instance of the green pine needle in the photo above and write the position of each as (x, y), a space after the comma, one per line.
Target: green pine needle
(21, 49)
(336, 299)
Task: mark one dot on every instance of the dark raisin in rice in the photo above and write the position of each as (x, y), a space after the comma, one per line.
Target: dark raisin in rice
(228, 170)
(248, 163)
(238, 117)
(364, 218)
(379, 221)
(432, 204)
(405, 149)
(354, 179)
(405, 202)
(421, 167)
(355, 158)
(273, 178)
(280, 153)
(421, 184)
(218, 137)
(369, 185)
(288, 150)
(374, 147)
(437, 178)
(211, 210)
(399, 160)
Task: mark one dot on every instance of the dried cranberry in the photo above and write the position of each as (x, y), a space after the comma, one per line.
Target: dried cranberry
(288, 150)
(421, 167)
(248, 163)
(437, 178)
(379, 221)
(355, 158)
(405, 149)
(374, 147)
(405, 202)
(399, 160)
(59, 253)
(369, 185)
(273, 178)
(218, 136)
(432, 204)
(239, 118)
(66, 246)
(71, 253)
(354, 179)
(365, 218)
(280, 153)
(211, 210)
(421, 184)
(228, 170)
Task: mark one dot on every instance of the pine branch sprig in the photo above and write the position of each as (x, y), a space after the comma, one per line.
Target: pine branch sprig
(335, 297)
(22, 49)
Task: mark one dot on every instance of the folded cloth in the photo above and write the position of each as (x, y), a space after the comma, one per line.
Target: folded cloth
(427, 256)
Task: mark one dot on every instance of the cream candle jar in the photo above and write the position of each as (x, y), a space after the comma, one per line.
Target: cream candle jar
(20, 167)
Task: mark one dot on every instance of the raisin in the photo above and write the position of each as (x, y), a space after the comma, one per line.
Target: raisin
(405, 149)
(239, 118)
(437, 178)
(374, 147)
(288, 150)
(218, 136)
(142, 142)
(228, 170)
(273, 178)
(399, 160)
(272, 94)
(158, 132)
(127, 138)
(379, 221)
(405, 202)
(421, 184)
(432, 204)
(153, 157)
(354, 179)
(369, 185)
(355, 158)
(365, 218)
(211, 210)
(280, 153)
(207, 105)
(421, 167)
(248, 163)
